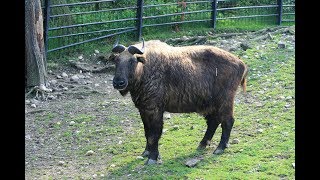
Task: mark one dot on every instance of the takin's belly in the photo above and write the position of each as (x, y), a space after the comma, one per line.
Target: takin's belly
(184, 106)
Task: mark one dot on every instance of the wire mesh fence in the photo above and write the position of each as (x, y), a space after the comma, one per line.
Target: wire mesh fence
(73, 23)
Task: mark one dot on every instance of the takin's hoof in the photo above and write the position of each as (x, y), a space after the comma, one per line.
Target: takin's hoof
(145, 153)
(218, 151)
(201, 148)
(151, 161)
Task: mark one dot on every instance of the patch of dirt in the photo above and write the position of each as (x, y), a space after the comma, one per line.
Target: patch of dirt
(83, 92)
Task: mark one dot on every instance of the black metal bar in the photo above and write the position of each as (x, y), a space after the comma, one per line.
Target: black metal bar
(94, 23)
(46, 24)
(91, 12)
(246, 7)
(81, 3)
(91, 32)
(177, 22)
(170, 4)
(139, 18)
(89, 40)
(252, 16)
(279, 2)
(214, 6)
(174, 14)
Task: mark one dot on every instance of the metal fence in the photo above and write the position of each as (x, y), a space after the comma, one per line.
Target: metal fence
(74, 23)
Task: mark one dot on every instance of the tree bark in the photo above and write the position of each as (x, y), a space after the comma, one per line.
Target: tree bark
(35, 57)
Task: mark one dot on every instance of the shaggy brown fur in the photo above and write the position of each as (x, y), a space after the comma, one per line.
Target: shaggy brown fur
(202, 79)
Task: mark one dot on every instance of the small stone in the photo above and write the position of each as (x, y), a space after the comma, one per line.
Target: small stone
(89, 153)
(94, 176)
(192, 162)
(120, 142)
(53, 82)
(175, 127)
(58, 123)
(112, 165)
(139, 157)
(61, 163)
(74, 78)
(64, 75)
(259, 104)
(65, 88)
(96, 51)
(80, 71)
(59, 77)
(260, 130)
(245, 56)
(33, 105)
(101, 175)
(282, 97)
(294, 165)
(80, 57)
(51, 97)
(27, 101)
(288, 97)
(167, 115)
(235, 141)
(245, 46)
(50, 72)
(287, 105)
(96, 85)
(72, 123)
(164, 130)
(281, 45)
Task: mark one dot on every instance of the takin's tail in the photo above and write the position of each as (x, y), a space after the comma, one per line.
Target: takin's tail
(244, 79)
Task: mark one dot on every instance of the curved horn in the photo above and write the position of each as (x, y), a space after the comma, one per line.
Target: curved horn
(118, 48)
(134, 50)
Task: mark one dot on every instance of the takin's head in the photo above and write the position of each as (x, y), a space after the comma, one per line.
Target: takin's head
(126, 61)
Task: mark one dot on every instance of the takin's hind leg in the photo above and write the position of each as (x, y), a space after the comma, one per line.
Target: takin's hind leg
(226, 126)
(212, 124)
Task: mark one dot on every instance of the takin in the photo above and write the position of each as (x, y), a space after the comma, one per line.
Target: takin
(160, 77)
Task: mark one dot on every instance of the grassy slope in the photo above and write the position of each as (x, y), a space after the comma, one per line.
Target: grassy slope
(267, 155)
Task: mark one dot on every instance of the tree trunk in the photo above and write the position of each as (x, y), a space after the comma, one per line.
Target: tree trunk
(35, 58)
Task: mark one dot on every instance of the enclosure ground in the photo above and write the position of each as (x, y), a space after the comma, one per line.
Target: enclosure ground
(85, 129)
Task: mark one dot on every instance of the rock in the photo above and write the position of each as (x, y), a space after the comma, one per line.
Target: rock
(72, 123)
(167, 115)
(245, 56)
(235, 141)
(89, 153)
(61, 163)
(287, 105)
(192, 162)
(96, 51)
(59, 77)
(164, 130)
(51, 97)
(294, 165)
(112, 165)
(53, 82)
(101, 175)
(139, 157)
(245, 46)
(259, 104)
(96, 85)
(80, 57)
(260, 131)
(120, 142)
(74, 78)
(94, 176)
(64, 75)
(281, 45)
(33, 105)
(175, 127)
(65, 88)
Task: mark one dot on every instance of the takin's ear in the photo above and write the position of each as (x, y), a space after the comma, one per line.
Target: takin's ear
(141, 58)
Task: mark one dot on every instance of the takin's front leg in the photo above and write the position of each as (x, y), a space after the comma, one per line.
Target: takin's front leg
(153, 124)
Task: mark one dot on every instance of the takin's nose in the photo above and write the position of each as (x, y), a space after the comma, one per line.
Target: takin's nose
(119, 83)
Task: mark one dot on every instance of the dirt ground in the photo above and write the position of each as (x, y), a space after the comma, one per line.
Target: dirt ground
(88, 98)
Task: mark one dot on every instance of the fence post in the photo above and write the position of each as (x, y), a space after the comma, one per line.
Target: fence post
(46, 24)
(139, 16)
(214, 5)
(279, 2)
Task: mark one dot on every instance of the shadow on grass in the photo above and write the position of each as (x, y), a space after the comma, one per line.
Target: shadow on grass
(170, 168)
